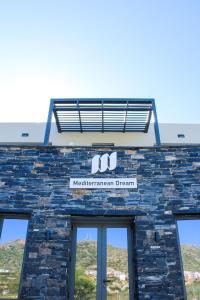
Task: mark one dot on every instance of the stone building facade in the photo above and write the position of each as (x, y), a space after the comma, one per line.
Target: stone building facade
(34, 182)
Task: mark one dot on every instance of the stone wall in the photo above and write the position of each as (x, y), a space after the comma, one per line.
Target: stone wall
(35, 181)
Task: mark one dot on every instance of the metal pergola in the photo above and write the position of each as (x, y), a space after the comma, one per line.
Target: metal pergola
(102, 115)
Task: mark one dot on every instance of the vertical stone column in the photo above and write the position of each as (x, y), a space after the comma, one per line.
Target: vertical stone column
(47, 257)
(158, 265)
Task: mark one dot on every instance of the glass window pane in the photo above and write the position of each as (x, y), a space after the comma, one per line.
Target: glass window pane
(117, 264)
(190, 249)
(11, 256)
(86, 264)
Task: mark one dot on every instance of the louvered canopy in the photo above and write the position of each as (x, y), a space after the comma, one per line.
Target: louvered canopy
(102, 115)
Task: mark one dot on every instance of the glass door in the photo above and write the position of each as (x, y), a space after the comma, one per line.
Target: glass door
(85, 284)
(103, 262)
(117, 275)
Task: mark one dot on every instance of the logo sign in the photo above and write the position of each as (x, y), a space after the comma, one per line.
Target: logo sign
(104, 162)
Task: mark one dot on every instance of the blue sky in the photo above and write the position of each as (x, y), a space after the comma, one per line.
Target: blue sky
(13, 230)
(115, 236)
(107, 48)
(188, 232)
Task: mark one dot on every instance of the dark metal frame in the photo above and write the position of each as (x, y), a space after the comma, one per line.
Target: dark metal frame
(102, 223)
(180, 216)
(135, 112)
(17, 216)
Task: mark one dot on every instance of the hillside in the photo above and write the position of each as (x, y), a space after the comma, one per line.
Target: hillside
(86, 271)
(11, 259)
(11, 255)
(191, 258)
(87, 253)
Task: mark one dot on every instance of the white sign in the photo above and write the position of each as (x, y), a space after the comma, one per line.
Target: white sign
(103, 183)
(104, 162)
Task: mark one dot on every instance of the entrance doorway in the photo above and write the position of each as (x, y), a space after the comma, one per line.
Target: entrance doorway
(102, 264)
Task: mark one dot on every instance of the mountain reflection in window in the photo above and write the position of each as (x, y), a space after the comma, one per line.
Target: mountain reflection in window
(190, 250)
(12, 242)
(86, 264)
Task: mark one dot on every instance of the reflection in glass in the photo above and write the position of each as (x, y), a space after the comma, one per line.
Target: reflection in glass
(190, 250)
(12, 243)
(86, 264)
(117, 264)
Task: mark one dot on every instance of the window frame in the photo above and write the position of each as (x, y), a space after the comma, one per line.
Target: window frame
(182, 217)
(16, 216)
(112, 222)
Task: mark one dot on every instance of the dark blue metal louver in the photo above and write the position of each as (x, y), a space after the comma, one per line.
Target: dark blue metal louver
(102, 115)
